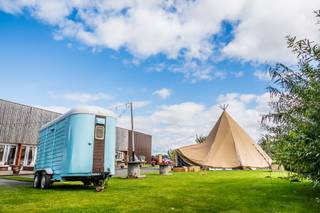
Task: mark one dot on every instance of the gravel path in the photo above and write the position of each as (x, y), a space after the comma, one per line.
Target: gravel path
(4, 182)
(124, 172)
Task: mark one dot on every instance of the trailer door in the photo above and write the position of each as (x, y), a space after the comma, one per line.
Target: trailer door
(98, 148)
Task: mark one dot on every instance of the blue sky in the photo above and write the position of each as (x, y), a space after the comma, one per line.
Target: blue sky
(176, 60)
(35, 66)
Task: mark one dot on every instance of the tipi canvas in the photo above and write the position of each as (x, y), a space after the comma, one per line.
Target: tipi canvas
(227, 146)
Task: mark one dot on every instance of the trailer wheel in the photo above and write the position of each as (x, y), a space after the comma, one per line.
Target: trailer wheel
(45, 182)
(36, 180)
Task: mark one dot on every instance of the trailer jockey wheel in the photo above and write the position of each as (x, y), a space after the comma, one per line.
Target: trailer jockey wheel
(36, 180)
(45, 182)
(99, 184)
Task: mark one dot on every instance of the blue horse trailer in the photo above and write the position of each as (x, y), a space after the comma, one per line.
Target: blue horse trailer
(77, 146)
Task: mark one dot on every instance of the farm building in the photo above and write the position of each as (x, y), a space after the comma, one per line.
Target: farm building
(19, 130)
(19, 127)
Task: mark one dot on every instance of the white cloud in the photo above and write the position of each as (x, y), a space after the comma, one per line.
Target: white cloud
(219, 75)
(262, 75)
(140, 104)
(196, 70)
(178, 29)
(246, 98)
(176, 125)
(264, 24)
(135, 104)
(58, 109)
(238, 74)
(83, 97)
(163, 93)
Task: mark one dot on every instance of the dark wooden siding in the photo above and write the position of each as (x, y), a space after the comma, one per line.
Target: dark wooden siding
(21, 124)
(143, 145)
(98, 156)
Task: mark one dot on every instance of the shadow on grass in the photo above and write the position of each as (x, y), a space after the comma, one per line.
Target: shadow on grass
(71, 187)
(65, 187)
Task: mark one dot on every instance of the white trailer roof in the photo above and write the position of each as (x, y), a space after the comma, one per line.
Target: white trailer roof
(83, 110)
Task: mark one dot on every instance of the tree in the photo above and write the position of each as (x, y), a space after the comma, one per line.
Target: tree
(171, 154)
(294, 122)
(200, 139)
(266, 145)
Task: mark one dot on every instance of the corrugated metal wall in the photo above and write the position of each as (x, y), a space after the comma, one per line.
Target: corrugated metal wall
(20, 123)
(122, 137)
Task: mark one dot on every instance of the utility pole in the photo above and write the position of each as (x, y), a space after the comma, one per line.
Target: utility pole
(132, 132)
(133, 166)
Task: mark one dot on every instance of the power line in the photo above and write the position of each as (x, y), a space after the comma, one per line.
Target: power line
(119, 106)
(124, 108)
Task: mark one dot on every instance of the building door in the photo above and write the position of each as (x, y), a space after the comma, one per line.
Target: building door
(98, 148)
(22, 157)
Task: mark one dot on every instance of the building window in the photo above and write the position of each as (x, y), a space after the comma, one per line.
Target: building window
(2, 147)
(142, 158)
(31, 156)
(99, 132)
(11, 155)
(28, 155)
(120, 156)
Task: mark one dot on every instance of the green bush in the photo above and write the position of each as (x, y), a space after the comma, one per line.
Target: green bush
(294, 123)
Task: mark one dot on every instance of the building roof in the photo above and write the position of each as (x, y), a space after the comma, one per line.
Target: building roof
(25, 105)
(20, 123)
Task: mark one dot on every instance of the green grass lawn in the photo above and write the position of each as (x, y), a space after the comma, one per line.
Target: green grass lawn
(216, 191)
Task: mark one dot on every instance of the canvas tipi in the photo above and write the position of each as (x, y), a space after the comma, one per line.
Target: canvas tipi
(227, 146)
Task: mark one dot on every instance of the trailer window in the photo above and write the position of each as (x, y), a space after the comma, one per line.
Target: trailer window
(99, 134)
